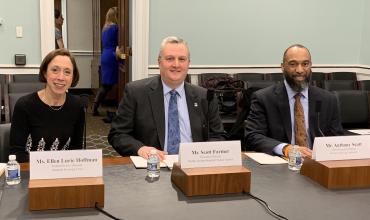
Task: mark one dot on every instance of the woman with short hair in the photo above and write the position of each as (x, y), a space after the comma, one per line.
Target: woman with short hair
(52, 118)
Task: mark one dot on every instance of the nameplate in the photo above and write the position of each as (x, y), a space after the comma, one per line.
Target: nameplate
(210, 154)
(66, 164)
(341, 148)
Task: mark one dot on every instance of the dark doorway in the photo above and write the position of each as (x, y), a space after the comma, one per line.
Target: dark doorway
(100, 7)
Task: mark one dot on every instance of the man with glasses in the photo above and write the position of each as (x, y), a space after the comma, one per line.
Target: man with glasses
(292, 112)
(160, 112)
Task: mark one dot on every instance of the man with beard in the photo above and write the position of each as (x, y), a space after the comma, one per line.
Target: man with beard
(273, 124)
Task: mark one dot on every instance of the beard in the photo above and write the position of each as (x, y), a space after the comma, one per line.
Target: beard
(297, 86)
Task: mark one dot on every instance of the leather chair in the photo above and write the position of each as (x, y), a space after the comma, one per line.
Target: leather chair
(364, 85)
(259, 84)
(249, 76)
(318, 78)
(25, 87)
(342, 76)
(4, 142)
(13, 91)
(334, 85)
(274, 76)
(2, 105)
(25, 78)
(10, 101)
(354, 108)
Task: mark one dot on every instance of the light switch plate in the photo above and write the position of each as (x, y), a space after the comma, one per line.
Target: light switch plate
(19, 31)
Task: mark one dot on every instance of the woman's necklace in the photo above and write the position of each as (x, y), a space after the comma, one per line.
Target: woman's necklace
(54, 108)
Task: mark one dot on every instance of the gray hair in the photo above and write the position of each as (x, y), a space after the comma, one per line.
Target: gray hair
(173, 40)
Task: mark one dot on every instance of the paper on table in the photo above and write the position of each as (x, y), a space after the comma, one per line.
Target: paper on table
(2, 168)
(263, 158)
(171, 159)
(140, 162)
(361, 131)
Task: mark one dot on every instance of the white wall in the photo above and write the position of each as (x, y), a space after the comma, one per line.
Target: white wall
(80, 37)
(26, 14)
(256, 32)
(365, 41)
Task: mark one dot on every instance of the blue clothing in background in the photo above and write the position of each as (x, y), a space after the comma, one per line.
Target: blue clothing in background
(108, 61)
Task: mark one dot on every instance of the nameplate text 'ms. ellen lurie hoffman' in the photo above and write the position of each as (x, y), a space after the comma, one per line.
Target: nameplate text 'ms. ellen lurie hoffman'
(66, 164)
(341, 148)
(210, 154)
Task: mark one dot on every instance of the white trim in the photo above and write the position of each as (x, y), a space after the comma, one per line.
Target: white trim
(140, 39)
(268, 66)
(4, 66)
(363, 71)
(82, 52)
(65, 23)
(47, 36)
(12, 69)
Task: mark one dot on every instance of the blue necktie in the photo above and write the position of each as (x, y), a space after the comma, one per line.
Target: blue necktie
(173, 134)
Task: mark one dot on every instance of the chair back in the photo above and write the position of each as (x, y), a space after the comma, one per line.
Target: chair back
(249, 76)
(13, 98)
(259, 84)
(334, 85)
(25, 78)
(364, 85)
(25, 87)
(343, 76)
(10, 101)
(4, 142)
(274, 76)
(354, 108)
(318, 78)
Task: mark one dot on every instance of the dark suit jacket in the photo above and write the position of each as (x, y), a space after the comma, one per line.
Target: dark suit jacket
(269, 123)
(140, 118)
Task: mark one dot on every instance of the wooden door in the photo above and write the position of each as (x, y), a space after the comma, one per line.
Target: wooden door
(123, 42)
(58, 5)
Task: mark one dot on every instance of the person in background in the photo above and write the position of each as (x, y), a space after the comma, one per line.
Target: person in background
(162, 111)
(58, 29)
(285, 114)
(49, 119)
(109, 58)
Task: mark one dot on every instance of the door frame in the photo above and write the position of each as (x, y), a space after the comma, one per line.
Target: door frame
(139, 38)
(124, 44)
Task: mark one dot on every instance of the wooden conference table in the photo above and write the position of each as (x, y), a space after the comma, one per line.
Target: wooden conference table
(129, 195)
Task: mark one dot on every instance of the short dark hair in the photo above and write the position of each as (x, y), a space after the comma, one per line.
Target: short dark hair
(56, 13)
(59, 52)
(294, 45)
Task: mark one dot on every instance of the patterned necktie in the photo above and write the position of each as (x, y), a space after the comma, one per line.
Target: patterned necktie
(299, 125)
(173, 134)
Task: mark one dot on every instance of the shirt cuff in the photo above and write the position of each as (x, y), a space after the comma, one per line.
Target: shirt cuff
(278, 149)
